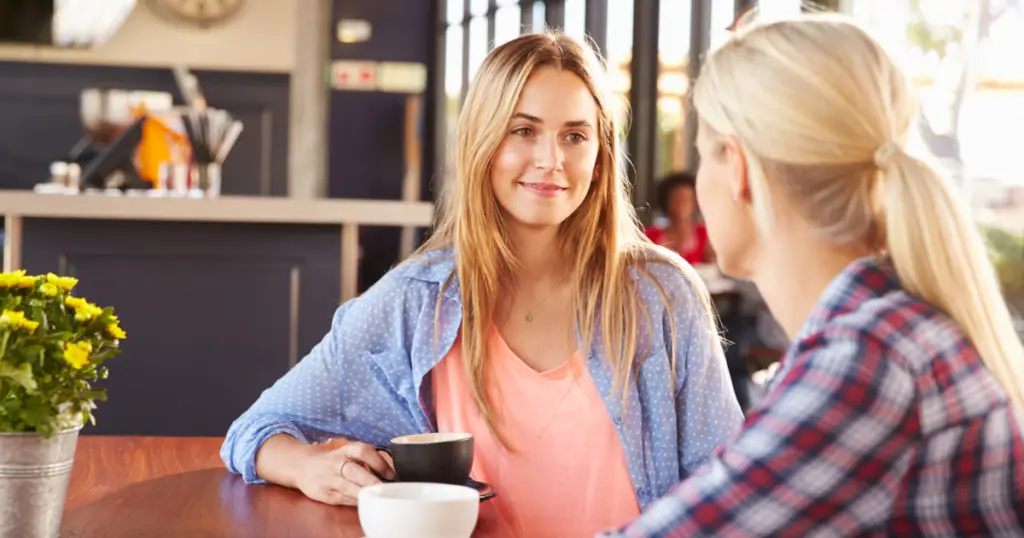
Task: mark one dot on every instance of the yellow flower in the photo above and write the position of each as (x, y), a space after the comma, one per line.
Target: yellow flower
(77, 354)
(84, 310)
(87, 313)
(9, 280)
(48, 289)
(27, 282)
(116, 331)
(17, 320)
(63, 282)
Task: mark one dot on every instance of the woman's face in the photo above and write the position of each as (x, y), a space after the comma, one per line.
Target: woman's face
(682, 203)
(724, 198)
(544, 168)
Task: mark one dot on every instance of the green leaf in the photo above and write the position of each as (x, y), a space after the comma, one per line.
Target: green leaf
(39, 391)
(20, 375)
(36, 413)
(33, 352)
(104, 355)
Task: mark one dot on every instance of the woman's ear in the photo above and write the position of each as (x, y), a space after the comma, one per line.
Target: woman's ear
(739, 180)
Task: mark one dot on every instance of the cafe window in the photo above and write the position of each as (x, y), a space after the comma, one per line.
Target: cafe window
(619, 51)
(453, 83)
(539, 16)
(778, 9)
(673, 85)
(575, 18)
(478, 45)
(507, 22)
(964, 59)
(722, 16)
(965, 64)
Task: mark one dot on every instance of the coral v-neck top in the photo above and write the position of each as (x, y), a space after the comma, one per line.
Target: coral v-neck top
(565, 475)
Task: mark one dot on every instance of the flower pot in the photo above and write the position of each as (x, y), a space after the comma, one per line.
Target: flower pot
(34, 475)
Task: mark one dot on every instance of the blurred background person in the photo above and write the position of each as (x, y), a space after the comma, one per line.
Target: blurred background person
(681, 228)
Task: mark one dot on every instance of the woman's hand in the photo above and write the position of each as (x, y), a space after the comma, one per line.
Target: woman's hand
(331, 472)
(334, 472)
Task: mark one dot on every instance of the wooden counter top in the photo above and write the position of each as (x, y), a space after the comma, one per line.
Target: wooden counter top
(346, 214)
(219, 209)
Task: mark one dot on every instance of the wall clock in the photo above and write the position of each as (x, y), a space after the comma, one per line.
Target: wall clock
(202, 13)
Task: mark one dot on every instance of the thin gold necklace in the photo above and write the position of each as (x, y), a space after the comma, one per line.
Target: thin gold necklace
(529, 313)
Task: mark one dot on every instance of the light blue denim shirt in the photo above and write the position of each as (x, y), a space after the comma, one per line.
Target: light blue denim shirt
(368, 379)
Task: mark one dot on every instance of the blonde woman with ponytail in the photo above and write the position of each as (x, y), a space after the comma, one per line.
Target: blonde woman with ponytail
(897, 410)
(583, 360)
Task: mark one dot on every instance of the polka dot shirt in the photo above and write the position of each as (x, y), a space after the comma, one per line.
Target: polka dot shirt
(368, 379)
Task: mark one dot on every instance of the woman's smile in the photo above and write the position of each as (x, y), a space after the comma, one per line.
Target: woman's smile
(542, 189)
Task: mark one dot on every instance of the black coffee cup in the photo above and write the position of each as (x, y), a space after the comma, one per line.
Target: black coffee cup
(432, 457)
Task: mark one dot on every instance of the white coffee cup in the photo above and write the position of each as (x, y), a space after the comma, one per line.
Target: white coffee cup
(418, 509)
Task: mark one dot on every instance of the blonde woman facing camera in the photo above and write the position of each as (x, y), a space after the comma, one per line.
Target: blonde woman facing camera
(897, 409)
(583, 360)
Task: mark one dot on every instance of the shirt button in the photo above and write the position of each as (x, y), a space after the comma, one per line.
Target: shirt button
(617, 420)
(641, 491)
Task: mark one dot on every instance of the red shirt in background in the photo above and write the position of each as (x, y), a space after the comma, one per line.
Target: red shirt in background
(697, 254)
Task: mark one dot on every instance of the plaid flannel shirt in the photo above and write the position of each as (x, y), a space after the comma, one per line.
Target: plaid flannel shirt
(881, 421)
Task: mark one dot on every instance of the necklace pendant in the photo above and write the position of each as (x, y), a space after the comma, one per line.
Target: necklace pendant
(529, 317)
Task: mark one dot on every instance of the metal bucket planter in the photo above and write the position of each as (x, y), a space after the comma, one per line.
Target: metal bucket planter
(34, 475)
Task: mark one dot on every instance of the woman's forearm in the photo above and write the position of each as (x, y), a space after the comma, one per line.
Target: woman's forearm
(279, 460)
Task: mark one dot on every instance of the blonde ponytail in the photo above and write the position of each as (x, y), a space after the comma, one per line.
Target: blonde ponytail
(822, 112)
(941, 257)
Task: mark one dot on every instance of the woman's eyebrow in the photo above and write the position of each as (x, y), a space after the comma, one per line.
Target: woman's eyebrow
(535, 119)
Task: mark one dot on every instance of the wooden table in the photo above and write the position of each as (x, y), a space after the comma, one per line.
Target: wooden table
(151, 487)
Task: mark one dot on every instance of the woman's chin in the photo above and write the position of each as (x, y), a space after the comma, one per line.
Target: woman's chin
(537, 221)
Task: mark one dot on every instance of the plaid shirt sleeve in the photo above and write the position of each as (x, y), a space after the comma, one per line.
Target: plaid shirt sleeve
(826, 451)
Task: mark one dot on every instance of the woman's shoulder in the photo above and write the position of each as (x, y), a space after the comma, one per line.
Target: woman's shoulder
(434, 266)
(901, 324)
(866, 310)
(661, 271)
(663, 263)
(419, 276)
(393, 305)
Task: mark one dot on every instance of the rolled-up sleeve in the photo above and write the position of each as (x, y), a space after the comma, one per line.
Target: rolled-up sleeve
(304, 403)
(351, 385)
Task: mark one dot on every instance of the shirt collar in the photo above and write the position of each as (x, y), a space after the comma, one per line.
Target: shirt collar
(864, 279)
(435, 266)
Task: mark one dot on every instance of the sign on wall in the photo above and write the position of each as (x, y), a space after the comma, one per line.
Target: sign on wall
(390, 77)
(354, 75)
(401, 77)
(353, 30)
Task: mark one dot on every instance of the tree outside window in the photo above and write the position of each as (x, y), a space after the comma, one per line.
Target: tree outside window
(965, 58)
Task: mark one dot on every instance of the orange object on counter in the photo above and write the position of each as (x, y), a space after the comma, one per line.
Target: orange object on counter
(160, 144)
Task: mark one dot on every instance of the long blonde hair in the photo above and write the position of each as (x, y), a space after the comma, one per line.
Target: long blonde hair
(825, 113)
(604, 234)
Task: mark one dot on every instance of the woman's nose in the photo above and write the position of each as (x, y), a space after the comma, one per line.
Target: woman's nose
(548, 154)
